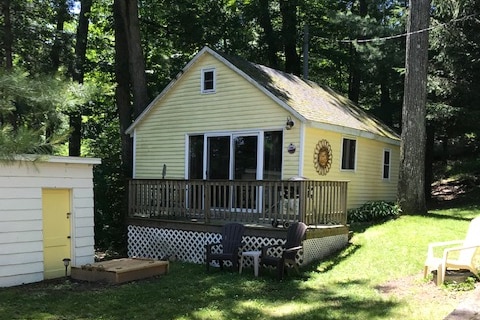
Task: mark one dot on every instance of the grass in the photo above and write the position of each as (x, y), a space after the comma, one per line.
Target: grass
(342, 287)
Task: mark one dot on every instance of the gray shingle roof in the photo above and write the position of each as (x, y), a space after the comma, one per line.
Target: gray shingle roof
(314, 102)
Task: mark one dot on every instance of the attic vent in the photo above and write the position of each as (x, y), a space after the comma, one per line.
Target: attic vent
(208, 80)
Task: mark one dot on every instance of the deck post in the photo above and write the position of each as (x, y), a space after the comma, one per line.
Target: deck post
(206, 200)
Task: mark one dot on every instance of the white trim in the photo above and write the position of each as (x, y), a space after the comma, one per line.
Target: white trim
(186, 156)
(354, 132)
(205, 157)
(56, 159)
(134, 153)
(73, 226)
(259, 133)
(282, 167)
(301, 154)
(202, 81)
(260, 155)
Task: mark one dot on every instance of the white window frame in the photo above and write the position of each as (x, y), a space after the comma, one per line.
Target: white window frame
(388, 165)
(204, 71)
(355, 156)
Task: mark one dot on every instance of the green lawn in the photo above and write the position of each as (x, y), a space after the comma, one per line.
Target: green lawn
(343, 287)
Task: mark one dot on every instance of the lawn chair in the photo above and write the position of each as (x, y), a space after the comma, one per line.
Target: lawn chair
(295, 235)
(465, 250)
(228, 248)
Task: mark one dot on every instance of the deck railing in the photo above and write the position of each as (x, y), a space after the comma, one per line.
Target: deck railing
(272, 202)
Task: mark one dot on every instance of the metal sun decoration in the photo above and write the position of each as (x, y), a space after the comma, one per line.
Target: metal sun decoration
(322, 157)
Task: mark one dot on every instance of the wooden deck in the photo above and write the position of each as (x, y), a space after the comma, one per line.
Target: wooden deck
(249, 202)
(252, 229)
(179, 217)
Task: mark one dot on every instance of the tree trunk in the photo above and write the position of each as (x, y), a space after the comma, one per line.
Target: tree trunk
(288, 9)
(62, 15)
(355, 78)
(354, 75)
(129, 13)
(7, 35)
(411, 185)
(122, 91)
(75, 141)
(81, 44)
(386, 109)
(270, 39)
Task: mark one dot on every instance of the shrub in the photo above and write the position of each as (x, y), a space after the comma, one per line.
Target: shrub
(374, 211)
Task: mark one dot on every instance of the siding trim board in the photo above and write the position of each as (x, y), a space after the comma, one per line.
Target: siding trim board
(353, 132)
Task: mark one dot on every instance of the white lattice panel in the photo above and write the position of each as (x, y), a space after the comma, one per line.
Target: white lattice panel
(189, 246)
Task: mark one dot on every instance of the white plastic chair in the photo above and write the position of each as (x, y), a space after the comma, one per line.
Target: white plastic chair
(465, 250)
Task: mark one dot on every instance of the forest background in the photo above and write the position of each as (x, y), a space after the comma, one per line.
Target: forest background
(75, 74)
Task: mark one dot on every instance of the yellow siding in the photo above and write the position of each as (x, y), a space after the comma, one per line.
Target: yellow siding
(236, 105)
(366, 182)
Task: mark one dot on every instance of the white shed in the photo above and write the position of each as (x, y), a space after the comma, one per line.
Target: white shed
(46, 215)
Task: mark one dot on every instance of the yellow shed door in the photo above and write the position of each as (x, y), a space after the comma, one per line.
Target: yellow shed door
(56, 231)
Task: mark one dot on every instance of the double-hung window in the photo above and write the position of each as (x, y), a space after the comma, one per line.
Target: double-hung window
(208, 80)
(386, 164)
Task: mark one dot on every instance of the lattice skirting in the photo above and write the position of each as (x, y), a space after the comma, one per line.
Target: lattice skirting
(189, 246)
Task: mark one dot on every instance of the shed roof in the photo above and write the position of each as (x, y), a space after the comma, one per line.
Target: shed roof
(310, 102)
(52, 159)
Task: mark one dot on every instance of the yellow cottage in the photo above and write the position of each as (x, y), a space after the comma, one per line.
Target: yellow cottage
(230, 140)
(226, 118)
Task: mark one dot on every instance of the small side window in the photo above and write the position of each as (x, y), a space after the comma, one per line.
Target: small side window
(386, 164)
(348, 154)
(208, 80)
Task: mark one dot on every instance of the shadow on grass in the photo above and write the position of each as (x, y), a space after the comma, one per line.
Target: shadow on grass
(188, 292)
(449, 216)
(330, 262)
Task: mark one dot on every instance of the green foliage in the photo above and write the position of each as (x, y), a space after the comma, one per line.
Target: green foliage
(25, 141)
(467, 285)
(103, 139)
(375, 211)
(33, 111)
(453, 74)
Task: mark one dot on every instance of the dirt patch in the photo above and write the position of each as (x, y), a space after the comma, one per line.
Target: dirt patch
(425, 292)
(449, 193)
